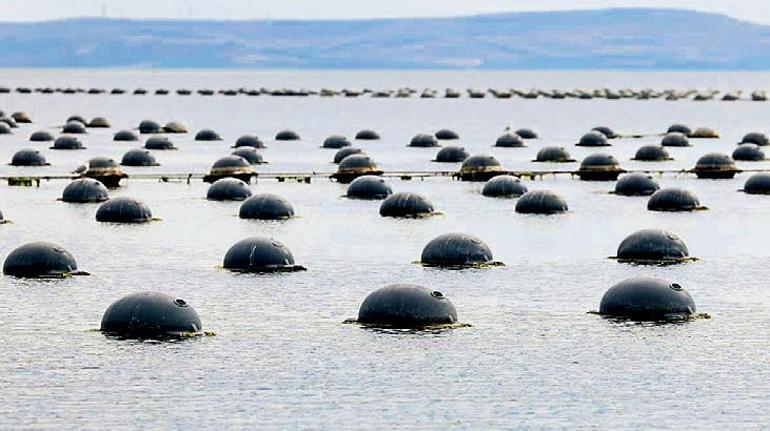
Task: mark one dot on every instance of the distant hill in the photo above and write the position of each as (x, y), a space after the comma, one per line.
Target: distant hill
(603, 39)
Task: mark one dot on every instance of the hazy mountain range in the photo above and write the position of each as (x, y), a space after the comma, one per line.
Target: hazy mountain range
(604, 39)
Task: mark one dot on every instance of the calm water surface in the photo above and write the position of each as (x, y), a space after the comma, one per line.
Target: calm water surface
(282, 358)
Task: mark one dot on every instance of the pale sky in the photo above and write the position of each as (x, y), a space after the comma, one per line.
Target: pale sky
(36, 10)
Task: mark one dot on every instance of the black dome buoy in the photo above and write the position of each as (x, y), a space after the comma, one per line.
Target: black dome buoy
(541, 202)
(599, 167)
(647, 299)
(40, 260)
(28, 157)
(755, 138)
(67, 143)
(715, 166)
(149, 127)
(526, 134)
(652, 153)
(85, 190)
(553, 155)
(369, 187)
(510, 140)
(679, 128)
(652, 246)
(75, 118)
(74, 128)
(606, 131)
(406, 205)
(636, 184)
(228, 189)
(757, 184)
(138, 157)
(504, 186)
(250, 154)
(230, 166)
(159, 143)
(125, 136)
(748, 153)
(367, 135)
(150, 315)
(354, 166)
(593, 139)
(673, 199)
(424, 140)
(41, 136)
(287, 135)
(704, 133)
(446, 135)
(344, 152)
(5, 129)
(174, 127)
(451, 154)
(105, 170)
(249, 141)
(406, 306)
(207, 135)
(675, 139)
(456, 250)
(123, 210)
(256, 254)
(99, 123)
(335, 142)
(480, 168)
(266, 206)
(21, 117)
(10, 122)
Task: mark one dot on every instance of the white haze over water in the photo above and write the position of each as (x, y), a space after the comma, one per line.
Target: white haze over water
(37, 10)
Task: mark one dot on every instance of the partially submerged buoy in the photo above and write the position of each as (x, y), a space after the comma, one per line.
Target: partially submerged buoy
(230, 166)
(553, 155)
(526, 133)
(207, 135)
(424, 140)
(369, 187)
(541, 202)
(406, 205)
(406, 306)
(367, 135)
(510, 140)
(41, 136)
(249, 141)
(287, 135)
(159, 143)
(674, 199)
(258, 254)
(647, 299)
(715, 166)
(125, 136)
(174, 127)
(446, 135)
(138, 157)
(67, 143)
(748, 153)
(675, 139)
(599, 167)
(593, 139)
(757, 184)
(40, 260)
(679, 128)
(266, 206)
(250, 154)
(344, 152)
(228, 189)
(755, 138)
(480, 168)
(123, 210)
(457, 250)
(704, 133)
(99, 123)
(354, 166)
(606, 131)
(151, 315)
(451, 154)
(636, 184)
(105, 170)
(336, 142)
(74, 128)
(504, 186)
(28, 157)
(652, 153)
(653, 246)
(149, 127)
(85, 190)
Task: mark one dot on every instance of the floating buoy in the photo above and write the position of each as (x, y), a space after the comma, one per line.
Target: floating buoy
(704, 133)
(4, 129)
(174, 127)
(266, 206)
(354, 166)
(149, 127)
(151, 315)
(451, 154)
(98, 123)
(74, 128)
(593, 139)
(28, 157)
(406, 205)
(652, 153)
(636, 184)
(123, 210)
(456, 250)
(680, 128)
(258, 254)
(526, 134)
(335, 142)
(369, 187)
(755, 138)
(715, 166)
(250, 154)
(606, 131)
(553, 155)
(40, 260)
(125, 136)
(41, 136)
(647, 299)
(504, 186)
(748, 153)
(159, 143)
(480, 168)
(230, 166)
(21, 117)
(85, 190)
(367, 135)
(757, 184)
(406, 306)
(673, 199)
(654, 246)
(138, 157)
(424, 140)
(446, 135)
(287, 135)
(344, 152)
(510, 140)
(249, 141)
(207, 135)
(541, 202)
(599, 167)
(228, 189)
(675, 139)
(106, 171)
